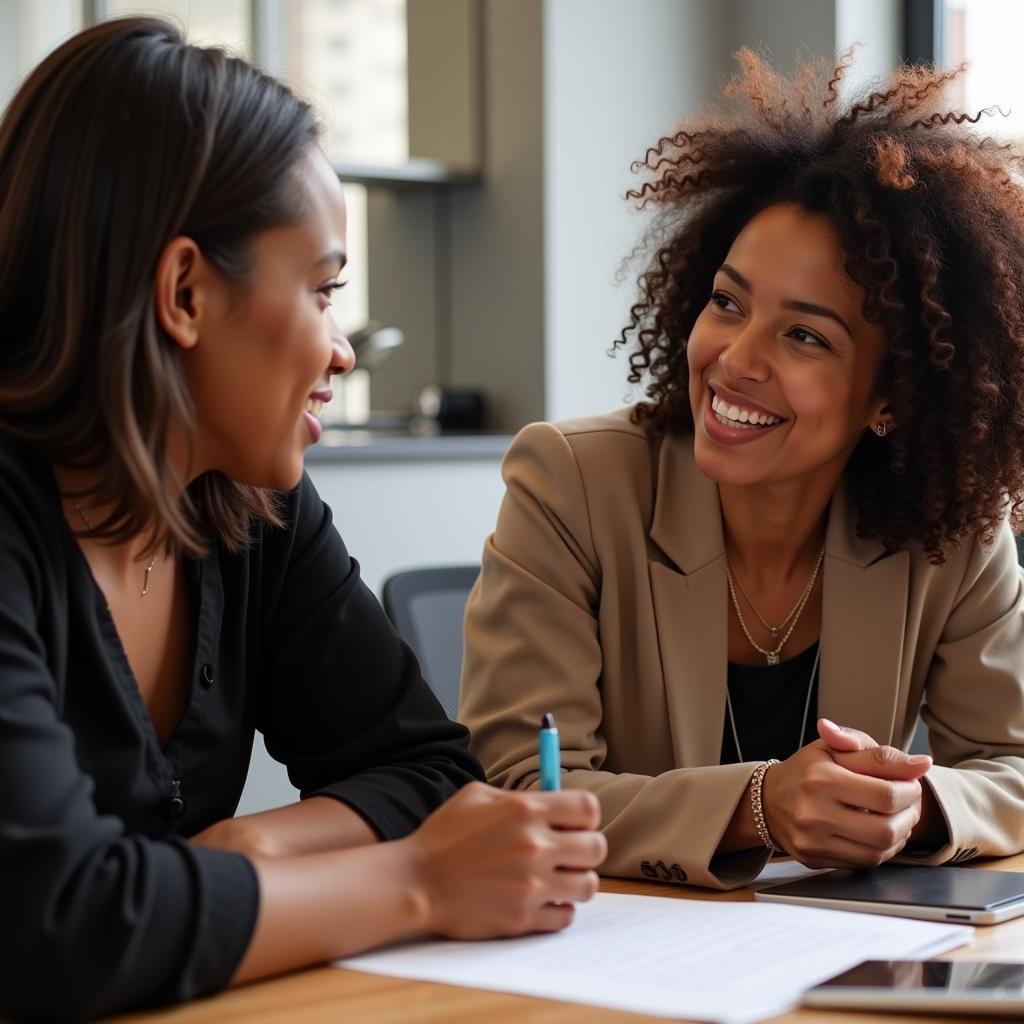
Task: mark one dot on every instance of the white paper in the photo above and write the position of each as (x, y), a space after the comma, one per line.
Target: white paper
(704, 960)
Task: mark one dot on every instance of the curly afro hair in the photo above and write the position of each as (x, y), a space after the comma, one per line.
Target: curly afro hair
(930, 217)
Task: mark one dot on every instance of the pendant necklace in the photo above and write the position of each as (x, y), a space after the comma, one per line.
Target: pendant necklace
(803, 723)
(773, 654)
(149, 568)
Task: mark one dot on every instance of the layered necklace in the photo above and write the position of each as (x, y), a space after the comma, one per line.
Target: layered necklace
(149, 568)
(803, 723)
(773, 655)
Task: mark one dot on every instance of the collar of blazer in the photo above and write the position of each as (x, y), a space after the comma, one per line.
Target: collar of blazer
(865, 673)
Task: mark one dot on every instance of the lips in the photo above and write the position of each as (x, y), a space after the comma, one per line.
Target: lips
(733, 415)
(313, 425)
(724, 423)
(733, 409)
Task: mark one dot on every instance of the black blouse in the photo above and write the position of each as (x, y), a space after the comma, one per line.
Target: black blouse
(768, 702)
(105, 906)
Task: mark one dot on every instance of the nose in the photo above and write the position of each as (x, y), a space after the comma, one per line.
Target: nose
(744, 357)
(343, 358)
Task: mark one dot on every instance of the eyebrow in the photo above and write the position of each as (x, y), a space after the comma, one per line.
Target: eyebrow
(794, 304)
(334, 256)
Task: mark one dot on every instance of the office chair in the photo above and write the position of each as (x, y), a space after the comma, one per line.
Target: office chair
(426, 607)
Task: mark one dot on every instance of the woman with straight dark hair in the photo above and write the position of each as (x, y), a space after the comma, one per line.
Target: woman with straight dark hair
(170, 237)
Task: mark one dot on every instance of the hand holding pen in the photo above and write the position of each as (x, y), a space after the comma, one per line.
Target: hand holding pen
(493, 863)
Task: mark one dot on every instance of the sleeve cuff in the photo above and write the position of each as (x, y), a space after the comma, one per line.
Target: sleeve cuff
(228, 895)
(388, 817)
(948, 851)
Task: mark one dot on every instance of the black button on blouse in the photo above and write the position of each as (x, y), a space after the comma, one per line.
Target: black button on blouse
(105, 905)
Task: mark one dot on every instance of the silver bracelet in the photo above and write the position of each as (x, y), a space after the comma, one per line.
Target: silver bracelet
(757, 805)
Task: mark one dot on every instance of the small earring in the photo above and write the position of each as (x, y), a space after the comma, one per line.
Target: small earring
(880, 430)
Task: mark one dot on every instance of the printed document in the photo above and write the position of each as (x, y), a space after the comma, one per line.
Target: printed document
(673, 957)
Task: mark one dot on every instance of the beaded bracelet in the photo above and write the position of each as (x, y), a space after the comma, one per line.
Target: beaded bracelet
(756, 804)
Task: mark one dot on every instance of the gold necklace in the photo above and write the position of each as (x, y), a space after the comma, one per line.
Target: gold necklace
(773, 631)
(773, 655)
(803, 722)
(149, 568)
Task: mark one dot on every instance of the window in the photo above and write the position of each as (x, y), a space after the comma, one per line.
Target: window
(206, 22)
(987, 34)
(29, 29)
(350, 306)
(354, 128)
(349, 59)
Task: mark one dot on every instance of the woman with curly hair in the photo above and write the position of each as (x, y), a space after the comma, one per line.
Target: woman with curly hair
(809, 519)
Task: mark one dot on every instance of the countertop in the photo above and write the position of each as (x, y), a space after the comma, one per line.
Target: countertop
(353, 444)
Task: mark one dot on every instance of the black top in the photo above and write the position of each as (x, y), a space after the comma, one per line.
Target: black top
(768, 702)
(104, 905)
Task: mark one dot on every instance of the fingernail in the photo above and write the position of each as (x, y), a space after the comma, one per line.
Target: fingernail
(831, 724)
(916, 759)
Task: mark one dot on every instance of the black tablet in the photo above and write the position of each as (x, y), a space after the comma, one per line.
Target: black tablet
(967, 895)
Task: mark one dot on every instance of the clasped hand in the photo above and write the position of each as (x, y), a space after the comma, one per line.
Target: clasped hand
(844, 800)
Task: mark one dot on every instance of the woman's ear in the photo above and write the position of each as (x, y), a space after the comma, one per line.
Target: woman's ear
(179, 291)
(882, 421)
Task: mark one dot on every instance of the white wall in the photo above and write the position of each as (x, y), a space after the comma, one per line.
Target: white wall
(876, 26)
(793, 30)
(393, 516)
(786, 30)
(617, 76)
(408, 515)
(29, 29)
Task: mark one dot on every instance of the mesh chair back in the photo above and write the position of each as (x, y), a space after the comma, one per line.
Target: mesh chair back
(426, 607)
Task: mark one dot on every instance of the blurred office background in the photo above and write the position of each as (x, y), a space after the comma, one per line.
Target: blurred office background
(485, 147)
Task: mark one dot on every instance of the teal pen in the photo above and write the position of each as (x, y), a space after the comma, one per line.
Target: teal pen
(550, 755)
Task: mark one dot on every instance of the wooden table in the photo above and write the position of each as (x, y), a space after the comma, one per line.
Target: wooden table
(329, 994)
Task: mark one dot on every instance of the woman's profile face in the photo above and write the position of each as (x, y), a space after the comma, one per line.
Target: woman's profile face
(264, 357)
(782, 363)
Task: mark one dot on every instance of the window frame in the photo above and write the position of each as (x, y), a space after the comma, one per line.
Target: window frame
(923, 31)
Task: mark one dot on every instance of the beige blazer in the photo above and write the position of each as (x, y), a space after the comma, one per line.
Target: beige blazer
(602, 598)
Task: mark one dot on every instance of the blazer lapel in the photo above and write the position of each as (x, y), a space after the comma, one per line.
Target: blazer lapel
(688, 588)
(864, 612)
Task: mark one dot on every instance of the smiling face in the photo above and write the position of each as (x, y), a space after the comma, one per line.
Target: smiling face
(782, 362)
(260, 363)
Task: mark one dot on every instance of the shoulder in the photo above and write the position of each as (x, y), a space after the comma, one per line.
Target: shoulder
(27, 491)
(18, 464)
(606, 468)
(31, 539)
(611, 429)
(597, 446)
(307, 531)
(302, 507)
(976, 579)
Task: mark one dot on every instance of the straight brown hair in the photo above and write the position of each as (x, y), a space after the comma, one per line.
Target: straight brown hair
(122, 139)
